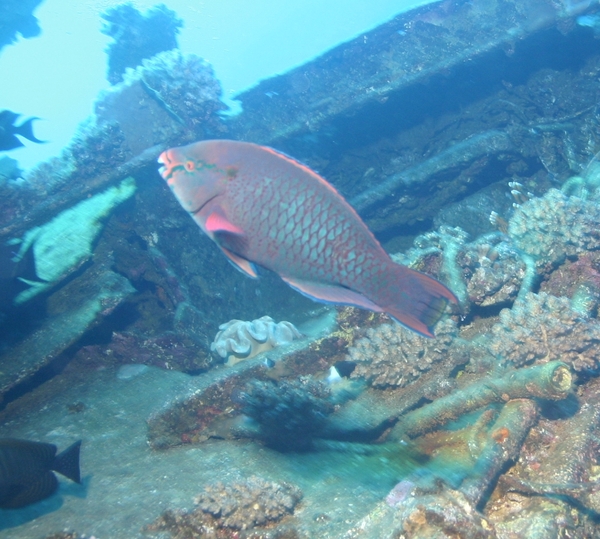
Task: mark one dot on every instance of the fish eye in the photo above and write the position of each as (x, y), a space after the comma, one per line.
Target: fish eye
(190, 166)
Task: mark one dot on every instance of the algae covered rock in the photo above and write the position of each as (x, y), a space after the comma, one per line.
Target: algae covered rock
(61, 245)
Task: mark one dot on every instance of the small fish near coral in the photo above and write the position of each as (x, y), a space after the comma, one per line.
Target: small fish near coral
(9, 131)
(262, 207)
(26, 470)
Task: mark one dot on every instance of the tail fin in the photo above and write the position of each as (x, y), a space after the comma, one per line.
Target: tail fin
(26, 130)
(67, 462)
(420, 300)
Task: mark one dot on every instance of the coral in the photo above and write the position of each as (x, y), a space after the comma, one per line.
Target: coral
(444, 246)
(555, 226)
(95, 149)
(392, 356)
(186, 87)
(137, 36)
(253, 502)
(288, 413)
(541, 328)
(493, 270)
(50, 176)
(487, 271)
(238, 340)
(578, 280)
(232, 508)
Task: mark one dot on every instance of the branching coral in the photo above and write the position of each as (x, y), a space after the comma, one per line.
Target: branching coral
(238, 340)
(541, 328)
(555, 226)
(493, 270)
(392, 356)
(443, 247)
(578, 280)
(485, 272)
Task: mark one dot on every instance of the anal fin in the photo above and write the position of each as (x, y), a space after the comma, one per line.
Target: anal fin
(331, 293)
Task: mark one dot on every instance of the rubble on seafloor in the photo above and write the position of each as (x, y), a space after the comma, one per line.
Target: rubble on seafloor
(253, 503)
(497, 414)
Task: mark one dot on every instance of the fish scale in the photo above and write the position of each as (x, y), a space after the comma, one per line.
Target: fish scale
(262, 207)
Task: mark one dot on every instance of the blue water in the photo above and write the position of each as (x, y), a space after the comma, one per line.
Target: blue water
(243, 44)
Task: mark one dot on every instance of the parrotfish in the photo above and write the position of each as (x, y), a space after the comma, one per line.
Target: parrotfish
(263, 208)
(26, 470)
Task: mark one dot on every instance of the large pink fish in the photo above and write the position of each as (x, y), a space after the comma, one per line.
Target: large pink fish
(260, 206)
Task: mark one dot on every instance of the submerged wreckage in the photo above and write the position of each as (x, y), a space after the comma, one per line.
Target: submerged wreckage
(459, 146)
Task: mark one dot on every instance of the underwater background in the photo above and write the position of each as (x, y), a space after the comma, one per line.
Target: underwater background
(465, 135)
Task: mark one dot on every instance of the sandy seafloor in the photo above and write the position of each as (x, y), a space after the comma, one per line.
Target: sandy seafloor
(126, 484)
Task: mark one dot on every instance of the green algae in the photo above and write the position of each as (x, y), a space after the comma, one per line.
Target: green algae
(64, 243)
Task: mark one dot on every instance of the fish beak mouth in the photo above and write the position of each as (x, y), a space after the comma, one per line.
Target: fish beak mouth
(163, 160)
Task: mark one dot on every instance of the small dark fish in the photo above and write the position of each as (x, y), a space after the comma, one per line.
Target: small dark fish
(26, 470)
(345, 368)
(13, 275)
(269, 363)
(9, 131)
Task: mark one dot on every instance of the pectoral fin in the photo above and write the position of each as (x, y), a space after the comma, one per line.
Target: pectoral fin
(245, 266)
(231, 239)
(217, 222)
